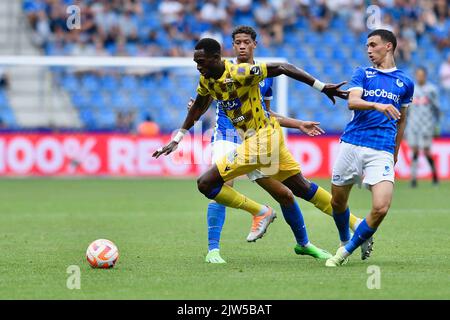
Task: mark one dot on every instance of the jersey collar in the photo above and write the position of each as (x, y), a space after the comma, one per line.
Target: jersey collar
(385, 70)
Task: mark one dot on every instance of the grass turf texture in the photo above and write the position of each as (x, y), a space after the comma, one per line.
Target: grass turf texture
(160, 229)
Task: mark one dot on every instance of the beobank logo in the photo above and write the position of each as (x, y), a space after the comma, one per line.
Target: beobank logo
(383, 94)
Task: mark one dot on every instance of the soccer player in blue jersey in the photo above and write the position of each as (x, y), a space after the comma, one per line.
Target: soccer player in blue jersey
(379, 97)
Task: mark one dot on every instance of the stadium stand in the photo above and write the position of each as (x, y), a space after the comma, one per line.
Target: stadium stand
(322, 37)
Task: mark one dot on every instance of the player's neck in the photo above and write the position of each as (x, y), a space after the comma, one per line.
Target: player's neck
(217, 73)
(387, 63)
(250, 60)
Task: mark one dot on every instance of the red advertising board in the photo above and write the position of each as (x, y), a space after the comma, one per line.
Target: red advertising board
(131, 155)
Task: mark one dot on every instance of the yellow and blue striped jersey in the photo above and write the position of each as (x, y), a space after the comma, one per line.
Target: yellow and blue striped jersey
(238, 94)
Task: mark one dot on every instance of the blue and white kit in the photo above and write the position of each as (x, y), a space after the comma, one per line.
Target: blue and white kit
(368, 143)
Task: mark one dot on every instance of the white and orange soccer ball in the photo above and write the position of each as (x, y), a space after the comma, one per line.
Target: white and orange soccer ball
(102, 253)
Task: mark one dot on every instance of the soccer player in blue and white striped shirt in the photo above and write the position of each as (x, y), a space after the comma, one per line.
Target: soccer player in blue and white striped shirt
(379, 97)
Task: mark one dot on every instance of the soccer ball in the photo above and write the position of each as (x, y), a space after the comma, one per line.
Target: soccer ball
(102, 253)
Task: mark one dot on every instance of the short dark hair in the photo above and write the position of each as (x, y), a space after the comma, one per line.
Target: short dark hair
(244, 29)
(385, 35)
(209, 45)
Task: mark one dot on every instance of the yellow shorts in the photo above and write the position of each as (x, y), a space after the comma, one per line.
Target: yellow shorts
(265, 151)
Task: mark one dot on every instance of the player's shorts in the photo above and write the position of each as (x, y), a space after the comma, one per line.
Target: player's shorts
(221, 148)
(266, 151)
(357, 164)
(419, 140)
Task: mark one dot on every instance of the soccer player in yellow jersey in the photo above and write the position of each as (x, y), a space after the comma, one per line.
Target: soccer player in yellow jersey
(236, 88)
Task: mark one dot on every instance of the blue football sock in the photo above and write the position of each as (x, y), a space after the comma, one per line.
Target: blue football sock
(362, 233)
(311, 192)
(215, 219)
(342, 221)
(294, 218)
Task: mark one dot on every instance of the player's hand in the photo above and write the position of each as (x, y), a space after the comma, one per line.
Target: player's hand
(166, 150)
(389, 110)
(311, 128)
(332, 90)
(190, 103)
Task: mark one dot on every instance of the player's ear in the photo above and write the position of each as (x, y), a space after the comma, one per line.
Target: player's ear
(390, 46)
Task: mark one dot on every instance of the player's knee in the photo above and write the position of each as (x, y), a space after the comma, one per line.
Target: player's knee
(210, 189)
(286, 197)
(338, 204)
(380, 211)
(203, 185)
(299, 187)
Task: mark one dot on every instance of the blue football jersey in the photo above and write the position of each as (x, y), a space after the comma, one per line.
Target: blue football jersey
(371, 128)
(224, 129)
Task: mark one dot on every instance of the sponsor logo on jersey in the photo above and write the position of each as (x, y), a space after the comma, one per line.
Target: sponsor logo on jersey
(229, 84)
(262, 84)
(371, 74)
(382, 93)
(256, 70)
(238, 119)
(399, 83)
(229, 104)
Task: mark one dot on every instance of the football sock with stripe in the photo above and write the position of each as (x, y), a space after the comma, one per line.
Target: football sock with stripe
(362, 233)
(342, 223)
(231, 198)
(294, 218)
(321, 199)
(215, 221)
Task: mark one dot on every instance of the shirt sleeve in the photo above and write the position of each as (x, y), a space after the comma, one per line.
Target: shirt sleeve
(248, 74)
(269, 94)
(202, 88)
(408, 96)
(357, 81)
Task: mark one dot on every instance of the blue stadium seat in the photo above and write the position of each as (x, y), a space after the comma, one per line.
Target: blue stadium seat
(90, 83)
(339, 55)
(110, 82)
(8, 117)
(106, 119)
(120, 101)
(81, 100)
(87, 117)
(129, 82)
(70, 82)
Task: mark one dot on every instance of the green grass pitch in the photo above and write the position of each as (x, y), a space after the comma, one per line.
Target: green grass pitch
(159, 226)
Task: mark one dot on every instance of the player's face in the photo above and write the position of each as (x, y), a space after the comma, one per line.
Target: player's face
(206, 64)
(377, 49)
(421, 76)
(244, 46)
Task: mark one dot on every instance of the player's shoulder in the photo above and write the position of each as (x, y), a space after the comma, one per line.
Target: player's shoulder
(405, 78)
(362, 72)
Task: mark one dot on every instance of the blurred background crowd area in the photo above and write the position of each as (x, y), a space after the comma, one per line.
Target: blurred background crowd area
(325, 37)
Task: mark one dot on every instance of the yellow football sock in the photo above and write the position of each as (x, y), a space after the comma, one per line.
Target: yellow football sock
(231, 198)
(322, 201)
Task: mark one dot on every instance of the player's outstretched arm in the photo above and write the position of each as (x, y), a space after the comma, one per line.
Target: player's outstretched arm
(199, 106)
(330, 90)
(310, 128)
